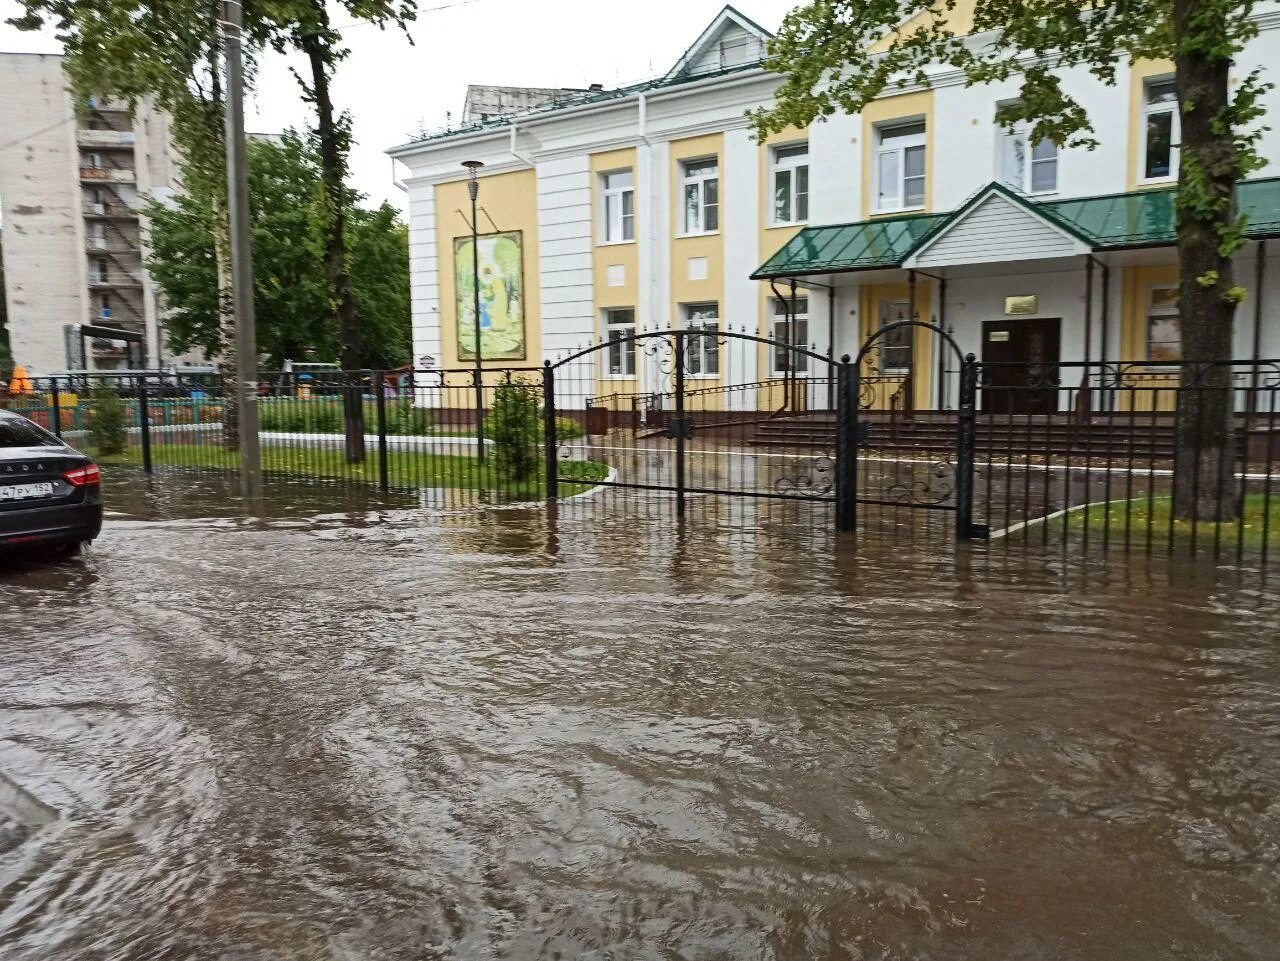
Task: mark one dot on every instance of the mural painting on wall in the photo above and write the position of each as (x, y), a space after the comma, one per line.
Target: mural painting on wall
(501, 297)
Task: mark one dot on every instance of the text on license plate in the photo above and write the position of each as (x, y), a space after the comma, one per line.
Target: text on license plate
(22, 492)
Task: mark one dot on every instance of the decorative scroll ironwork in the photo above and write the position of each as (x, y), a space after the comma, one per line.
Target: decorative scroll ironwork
(933, 485)
(814, 477)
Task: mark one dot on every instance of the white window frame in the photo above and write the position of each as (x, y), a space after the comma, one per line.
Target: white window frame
(616, 225)
(1166, 311)
(903, 308)
(788, 168)
(779, 320)
(899, 147)
(702, 353)
(701, 182)
(627, 350)
(1019, 140)
(1149, 110)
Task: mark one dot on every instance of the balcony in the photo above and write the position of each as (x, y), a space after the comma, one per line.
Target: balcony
(110, 175)
(112, 245)
(104, 138)
(109, 211)
(115, 280)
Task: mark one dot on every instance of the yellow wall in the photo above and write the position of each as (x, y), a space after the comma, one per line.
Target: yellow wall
(1138, 75)
(683, 290)
(959, 21)
(1134, 293)
(869, 299)
(511, 199)
(902, 107)
(604, 255)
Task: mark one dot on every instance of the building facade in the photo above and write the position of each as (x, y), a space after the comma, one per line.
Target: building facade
(72, 185)
(653, 207)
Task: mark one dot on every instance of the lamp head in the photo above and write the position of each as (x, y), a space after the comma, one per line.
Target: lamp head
(473, 170)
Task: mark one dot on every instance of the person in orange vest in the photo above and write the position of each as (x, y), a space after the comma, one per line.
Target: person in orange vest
(20, 383)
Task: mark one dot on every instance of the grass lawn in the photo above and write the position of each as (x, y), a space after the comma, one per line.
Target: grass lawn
(405, 469)
(1138, 514)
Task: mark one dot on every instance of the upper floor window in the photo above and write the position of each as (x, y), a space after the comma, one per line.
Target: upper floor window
(619, 326)
(899, 168)
(791, 184)
(619, 206)
(1160, 123)
(1164, 329)
(1029, 167)
(793, 331)
(701, 180)
(702, 353)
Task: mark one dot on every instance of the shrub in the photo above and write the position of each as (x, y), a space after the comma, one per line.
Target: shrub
(404, 419)
(514, 424)
(569, 429)
(107, 428)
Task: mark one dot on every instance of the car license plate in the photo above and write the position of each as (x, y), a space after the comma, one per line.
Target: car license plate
(22, 492)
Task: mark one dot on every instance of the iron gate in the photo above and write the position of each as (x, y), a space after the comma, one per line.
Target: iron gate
(710, 411)
(908, 459)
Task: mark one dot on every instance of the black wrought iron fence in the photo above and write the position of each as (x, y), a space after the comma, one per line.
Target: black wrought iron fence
(1075, 456)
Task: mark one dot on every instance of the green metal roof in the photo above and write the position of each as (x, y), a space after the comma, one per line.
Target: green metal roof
(866, 245)
(1141, 218)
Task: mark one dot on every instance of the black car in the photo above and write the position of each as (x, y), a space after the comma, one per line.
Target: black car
(50, 494)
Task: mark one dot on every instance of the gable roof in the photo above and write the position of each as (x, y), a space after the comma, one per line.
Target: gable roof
(1140, 218)
(705, 54)
(1021, 232)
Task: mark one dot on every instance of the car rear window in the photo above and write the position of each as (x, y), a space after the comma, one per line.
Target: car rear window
(17, 432)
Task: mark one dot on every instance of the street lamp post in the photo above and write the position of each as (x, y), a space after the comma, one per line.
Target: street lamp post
(473, 189)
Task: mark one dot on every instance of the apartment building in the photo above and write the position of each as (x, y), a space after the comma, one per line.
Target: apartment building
(73, 179)
(652, 206)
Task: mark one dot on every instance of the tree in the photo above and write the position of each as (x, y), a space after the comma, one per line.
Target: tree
(291, 296)
(842, 54)
(304, 26)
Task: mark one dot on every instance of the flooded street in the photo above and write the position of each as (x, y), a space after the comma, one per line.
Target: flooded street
(379, 733)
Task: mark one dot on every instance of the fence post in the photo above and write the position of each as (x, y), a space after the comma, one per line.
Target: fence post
(679, 420)
(55, 404)
(549, 439)
(846, 448)
(966, 436)
(380, 405)
(144, 423)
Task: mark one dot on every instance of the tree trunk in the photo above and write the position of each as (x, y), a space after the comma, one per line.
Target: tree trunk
(333, 150)
(226, 325)
(1204, 465)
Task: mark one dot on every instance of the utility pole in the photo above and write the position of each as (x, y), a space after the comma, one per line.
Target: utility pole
(246, 385)
(473, 189)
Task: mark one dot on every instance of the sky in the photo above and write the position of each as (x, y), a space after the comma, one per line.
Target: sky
(393, 87)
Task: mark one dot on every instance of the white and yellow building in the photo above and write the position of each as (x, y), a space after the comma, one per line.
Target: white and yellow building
(653, 206)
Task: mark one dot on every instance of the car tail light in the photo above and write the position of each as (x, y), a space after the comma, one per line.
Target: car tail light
(85, 476)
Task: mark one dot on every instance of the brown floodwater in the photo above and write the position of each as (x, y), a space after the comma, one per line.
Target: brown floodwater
(363, 731)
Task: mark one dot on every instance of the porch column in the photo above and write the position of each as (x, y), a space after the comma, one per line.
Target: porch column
(1259, 276)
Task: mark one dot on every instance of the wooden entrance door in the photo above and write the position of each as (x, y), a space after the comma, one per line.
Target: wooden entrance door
(1020, 360)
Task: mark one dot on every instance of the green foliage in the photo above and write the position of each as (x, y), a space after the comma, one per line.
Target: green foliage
(106, 423)
(514, 424)
(290, 290)
(323, 415)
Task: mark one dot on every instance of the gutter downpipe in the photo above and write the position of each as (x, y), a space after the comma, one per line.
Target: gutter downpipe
(512, 147)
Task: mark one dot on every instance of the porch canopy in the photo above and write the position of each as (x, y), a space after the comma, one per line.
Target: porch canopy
(1000, 225)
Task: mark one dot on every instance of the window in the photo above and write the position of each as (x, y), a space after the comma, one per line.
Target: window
(900, 167)
(701, 196)
(1160, 117)
(19, 432)
(1164, 329)
(786, 361)
(619, 206)
(791, 184)
(1029, 168)
(895, 346)
(100, 270)
(702, 354)
(104, 306)
(620, 322)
